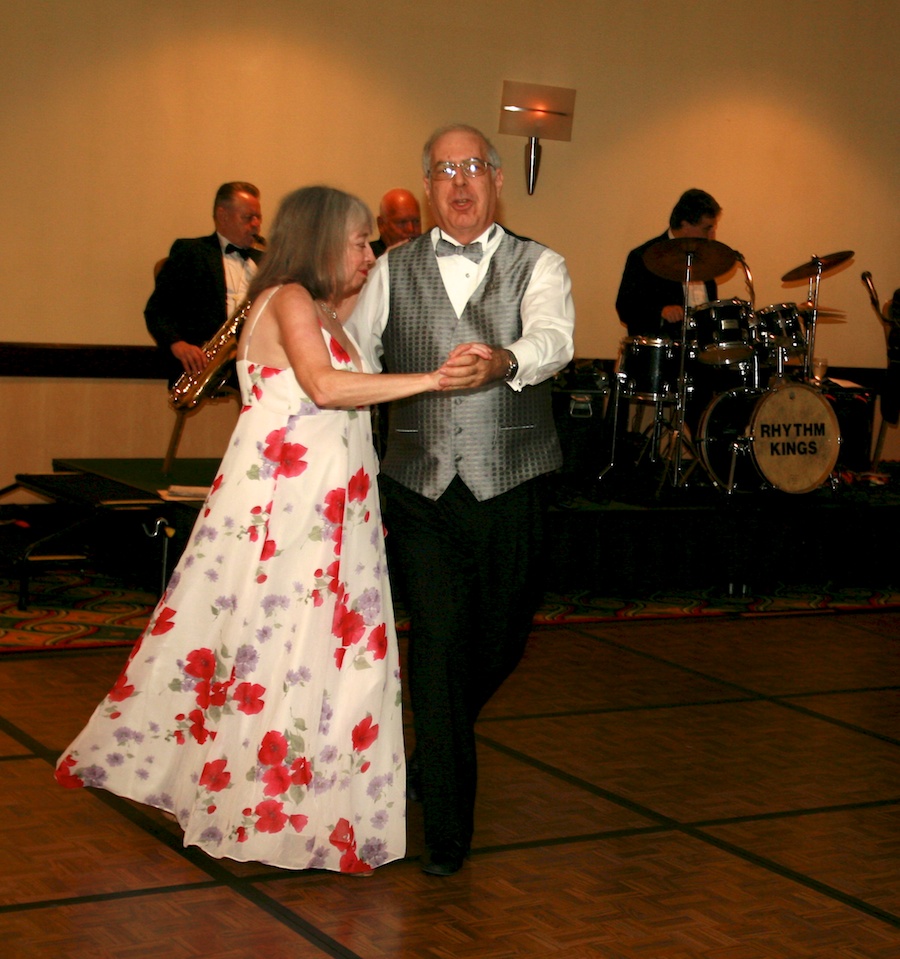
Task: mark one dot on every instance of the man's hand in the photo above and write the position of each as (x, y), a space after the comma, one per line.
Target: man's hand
(472, 365)
(673, 314)
(191, 357)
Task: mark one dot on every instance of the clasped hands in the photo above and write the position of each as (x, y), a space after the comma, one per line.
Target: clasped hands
(471, 365)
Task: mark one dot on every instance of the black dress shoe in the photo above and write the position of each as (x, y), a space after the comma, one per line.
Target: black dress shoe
(445, 860)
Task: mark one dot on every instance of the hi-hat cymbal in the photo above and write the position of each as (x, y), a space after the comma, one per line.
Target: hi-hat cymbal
(817, 265)
(709, 258)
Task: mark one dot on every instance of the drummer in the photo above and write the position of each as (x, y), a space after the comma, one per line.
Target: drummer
(651, 306)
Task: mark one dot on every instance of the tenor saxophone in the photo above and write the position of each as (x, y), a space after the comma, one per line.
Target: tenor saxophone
(190, 389)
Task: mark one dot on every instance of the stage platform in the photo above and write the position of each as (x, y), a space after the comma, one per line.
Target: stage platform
(626, 533)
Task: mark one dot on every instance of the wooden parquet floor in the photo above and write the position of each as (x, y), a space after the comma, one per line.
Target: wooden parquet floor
(724, 789)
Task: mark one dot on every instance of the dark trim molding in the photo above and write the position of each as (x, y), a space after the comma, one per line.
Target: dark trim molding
(146, 363)
(77, 360)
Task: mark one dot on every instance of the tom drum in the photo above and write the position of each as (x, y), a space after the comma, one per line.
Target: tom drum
(648, 369)
(722, 330)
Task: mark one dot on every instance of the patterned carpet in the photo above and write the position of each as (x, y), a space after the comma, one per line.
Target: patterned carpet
(73, 610)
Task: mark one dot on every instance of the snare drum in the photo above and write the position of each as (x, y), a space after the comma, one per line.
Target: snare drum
(788, 436)
(780, 325)
(723, 331)
(648, 369)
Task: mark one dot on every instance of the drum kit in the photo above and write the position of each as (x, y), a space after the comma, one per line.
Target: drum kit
(734, 393)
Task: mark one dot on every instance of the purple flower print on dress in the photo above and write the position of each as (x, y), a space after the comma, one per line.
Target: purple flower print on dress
(325, 716)
(264, 634)
(373, 852)
(272, 602)
(298, 677)
(226, 604)
(211, 836)
(245, 661)
(205, 532)
(369, 606)
(93, 775)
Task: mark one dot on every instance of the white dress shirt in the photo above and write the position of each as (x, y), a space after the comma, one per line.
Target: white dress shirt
(548, 313)
(238, 273)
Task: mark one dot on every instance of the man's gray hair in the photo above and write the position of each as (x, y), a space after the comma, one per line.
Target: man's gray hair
(493, 157)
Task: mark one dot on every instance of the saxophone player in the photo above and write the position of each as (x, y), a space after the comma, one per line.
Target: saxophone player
(203, 280)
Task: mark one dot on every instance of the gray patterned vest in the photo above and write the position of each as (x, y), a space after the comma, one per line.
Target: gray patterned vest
(495, 438)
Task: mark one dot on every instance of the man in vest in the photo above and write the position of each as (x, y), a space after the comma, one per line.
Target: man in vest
(462, 474)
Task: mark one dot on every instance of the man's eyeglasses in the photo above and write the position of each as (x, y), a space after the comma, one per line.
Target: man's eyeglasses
(470, 168)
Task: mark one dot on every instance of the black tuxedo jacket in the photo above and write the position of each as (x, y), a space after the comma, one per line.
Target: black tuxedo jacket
(643, 294)
(189, 300)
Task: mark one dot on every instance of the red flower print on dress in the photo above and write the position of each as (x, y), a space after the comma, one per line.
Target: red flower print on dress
(268, 550)
(377, 644)
(277, 780)
(214, 775)
(364, 734)
(334, 506)
(347, 625)
(342, 836)
(288, 456)
(163, 622)
(201, 663)
(64, 775)
(339, 656)
(358, 487)
(198, 726)
(121, 690)
(301, 772)
(292, 462)
(248, 697)
(217, 482)
(298, 822)
(274, 748)
(270, 816)
(338, 352)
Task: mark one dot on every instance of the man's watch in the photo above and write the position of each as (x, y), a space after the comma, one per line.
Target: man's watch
(513, 367)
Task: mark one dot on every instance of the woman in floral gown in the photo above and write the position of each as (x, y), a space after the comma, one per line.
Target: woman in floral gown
(262, 705)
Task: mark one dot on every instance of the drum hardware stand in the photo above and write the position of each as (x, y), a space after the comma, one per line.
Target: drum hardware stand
(612, 421)
(678, 259)
(885, 314)
(748, 279)
(813, 271)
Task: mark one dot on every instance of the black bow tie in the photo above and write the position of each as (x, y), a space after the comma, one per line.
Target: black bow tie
(471, 251)
(243, 250)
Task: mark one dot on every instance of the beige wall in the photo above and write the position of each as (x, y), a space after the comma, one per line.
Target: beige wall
(122, 116)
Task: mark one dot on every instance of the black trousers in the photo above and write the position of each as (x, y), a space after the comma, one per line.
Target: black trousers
(470, 575)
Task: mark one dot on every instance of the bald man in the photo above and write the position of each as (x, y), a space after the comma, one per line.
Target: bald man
(399, 219)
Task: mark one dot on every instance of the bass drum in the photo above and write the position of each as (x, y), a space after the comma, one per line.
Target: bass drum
(787, 437)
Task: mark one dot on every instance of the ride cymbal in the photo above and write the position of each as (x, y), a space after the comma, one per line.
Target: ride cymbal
(817, 265)
(709, 258)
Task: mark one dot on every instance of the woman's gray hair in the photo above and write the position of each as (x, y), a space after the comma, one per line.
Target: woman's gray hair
(308, 242)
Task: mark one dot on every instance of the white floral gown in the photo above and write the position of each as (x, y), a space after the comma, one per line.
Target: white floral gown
(262, 705)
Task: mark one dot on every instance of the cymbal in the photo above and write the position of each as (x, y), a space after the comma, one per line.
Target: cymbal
(807, 307)
(709, 258)
(817, 265)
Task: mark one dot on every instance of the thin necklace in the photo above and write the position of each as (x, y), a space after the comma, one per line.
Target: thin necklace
(327, 310)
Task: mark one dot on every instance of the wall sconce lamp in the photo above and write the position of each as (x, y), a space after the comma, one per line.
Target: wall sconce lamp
(535, 111)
